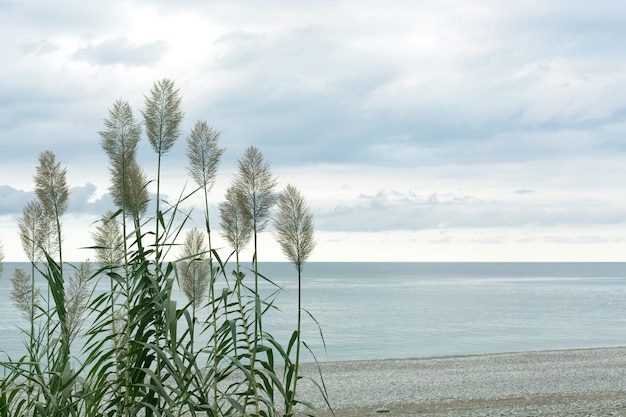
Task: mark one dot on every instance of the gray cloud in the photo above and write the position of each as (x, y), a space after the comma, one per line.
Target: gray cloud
(347, 102)
(81, 200)
(65, 16)
(121, 51)
(488, 82)
(397, 211)
(12, 201)
(299, 93)
(40, 47)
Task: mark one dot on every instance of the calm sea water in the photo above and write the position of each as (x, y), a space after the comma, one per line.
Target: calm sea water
(401, 310)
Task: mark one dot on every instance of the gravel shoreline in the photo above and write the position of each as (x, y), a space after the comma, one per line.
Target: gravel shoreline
(581, 382)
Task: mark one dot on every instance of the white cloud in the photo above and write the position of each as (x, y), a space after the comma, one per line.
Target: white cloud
(429, 116)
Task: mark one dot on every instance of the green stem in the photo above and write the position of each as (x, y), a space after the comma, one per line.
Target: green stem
(158, 331)
(245, 327)
(257, 317)
(295, 379)
(32, 325)
(65, 336)
(212, 292)
(127, 299)
(158, 207)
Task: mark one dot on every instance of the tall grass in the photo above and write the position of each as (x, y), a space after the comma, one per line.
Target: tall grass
(204, 156)
(46, 381)
(294, 233)
(142, 353)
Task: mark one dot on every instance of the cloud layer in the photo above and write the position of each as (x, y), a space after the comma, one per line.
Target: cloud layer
(412, 116)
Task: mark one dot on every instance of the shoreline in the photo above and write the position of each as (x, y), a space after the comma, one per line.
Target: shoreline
(468, 355)
(589, 381)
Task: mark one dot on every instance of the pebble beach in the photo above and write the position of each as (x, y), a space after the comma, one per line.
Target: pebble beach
(582, 382)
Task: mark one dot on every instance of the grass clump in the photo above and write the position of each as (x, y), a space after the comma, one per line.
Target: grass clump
(132, 349)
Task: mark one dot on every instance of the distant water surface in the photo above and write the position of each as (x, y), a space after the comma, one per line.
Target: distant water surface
(401, 310)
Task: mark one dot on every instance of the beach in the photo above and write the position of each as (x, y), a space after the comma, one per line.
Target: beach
(581, 382)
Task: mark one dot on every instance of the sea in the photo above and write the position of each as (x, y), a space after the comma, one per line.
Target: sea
(369, 310)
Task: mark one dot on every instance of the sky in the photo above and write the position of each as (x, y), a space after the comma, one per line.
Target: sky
(417, 130)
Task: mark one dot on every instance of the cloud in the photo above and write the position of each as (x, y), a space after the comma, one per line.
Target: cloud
(12, 201)
(121, 51)
(81, 200)
(40, 47)
(408, 211)
(394, 93)
(481, 114)
(407, 84)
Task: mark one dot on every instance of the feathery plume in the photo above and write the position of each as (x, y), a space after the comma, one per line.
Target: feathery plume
(122, 132)
(194, 269)
(109, 241)
(77, 297)
(294, 226)
(204, 154)
(22, 293)
(119, 140)
(235, 221)
(128, 188)
(50, 184)
(255, 183)
(162, 116)
(36, 231)
(53, 193)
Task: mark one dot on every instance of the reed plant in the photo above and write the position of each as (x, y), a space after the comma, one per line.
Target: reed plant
(255, 185)
(47, 375)
(162, 118)
(294, 233)
(143, 352)
(35, 231)
(204, 154)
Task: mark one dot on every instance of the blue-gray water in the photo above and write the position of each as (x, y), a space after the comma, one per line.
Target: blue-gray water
(401, 310)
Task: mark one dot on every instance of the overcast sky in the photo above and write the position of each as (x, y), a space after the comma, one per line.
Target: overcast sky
(418, 130)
